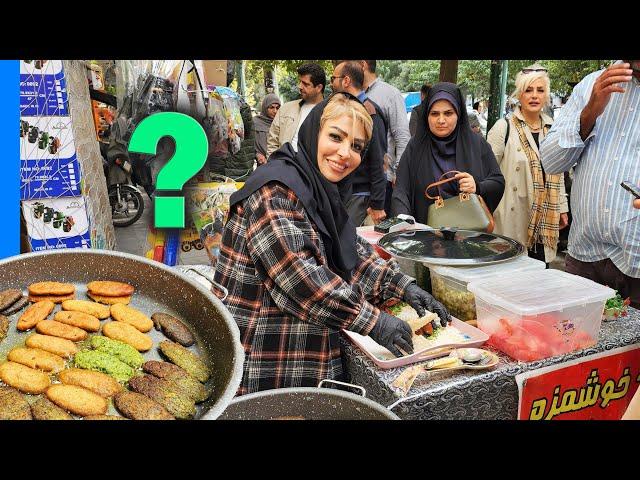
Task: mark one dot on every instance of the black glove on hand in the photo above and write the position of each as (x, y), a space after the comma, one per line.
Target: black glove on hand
(421, 300)
(391, 333)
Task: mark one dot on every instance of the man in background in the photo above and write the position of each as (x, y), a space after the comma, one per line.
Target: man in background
(598, 131)
(413, 121)
(285, 125)
(391, 102)
(368, 180)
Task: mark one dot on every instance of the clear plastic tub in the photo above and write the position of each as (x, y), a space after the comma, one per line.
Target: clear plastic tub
(535, 315)
(449, 284)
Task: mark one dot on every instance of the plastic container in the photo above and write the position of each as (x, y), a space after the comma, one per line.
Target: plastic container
(449, 284)
(535, 315)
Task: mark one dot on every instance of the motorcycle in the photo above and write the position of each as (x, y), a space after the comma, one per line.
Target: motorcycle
(127, 204)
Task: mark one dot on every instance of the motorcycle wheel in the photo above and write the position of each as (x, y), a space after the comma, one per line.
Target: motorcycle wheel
(130, 208)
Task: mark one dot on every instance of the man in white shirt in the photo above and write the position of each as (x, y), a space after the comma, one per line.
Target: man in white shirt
(598, 131)
(285, 125)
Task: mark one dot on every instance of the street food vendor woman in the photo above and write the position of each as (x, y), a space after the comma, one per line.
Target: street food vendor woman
(295, 270)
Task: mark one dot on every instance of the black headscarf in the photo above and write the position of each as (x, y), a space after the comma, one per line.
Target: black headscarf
(424, 155)
(322, 200)
(443, 149)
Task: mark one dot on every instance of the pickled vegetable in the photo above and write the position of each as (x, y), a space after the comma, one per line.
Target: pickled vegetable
(460, 303)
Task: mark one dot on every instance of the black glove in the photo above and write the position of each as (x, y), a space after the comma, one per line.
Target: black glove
(391, 333)
(421, 300)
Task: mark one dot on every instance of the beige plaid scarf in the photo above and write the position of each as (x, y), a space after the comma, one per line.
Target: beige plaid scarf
(545, 211)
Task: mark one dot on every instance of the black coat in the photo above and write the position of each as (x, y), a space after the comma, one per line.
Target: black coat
(415, 171)
(369, 176)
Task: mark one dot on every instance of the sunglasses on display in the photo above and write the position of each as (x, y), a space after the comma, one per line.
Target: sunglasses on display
(531, 70)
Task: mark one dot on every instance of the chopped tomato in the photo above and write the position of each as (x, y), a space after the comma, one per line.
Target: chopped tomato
(538, 337)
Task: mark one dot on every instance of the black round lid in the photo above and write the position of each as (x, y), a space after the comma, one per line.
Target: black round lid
(451, 247)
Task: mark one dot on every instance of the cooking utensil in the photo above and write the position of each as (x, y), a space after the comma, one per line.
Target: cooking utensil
(451, 247)
(308, 404)
(461, 358)
(158, 289)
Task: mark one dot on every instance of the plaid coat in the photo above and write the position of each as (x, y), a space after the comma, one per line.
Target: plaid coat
(288, 304)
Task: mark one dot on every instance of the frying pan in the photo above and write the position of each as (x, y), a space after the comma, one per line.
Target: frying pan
(158, 288)
(305, 403)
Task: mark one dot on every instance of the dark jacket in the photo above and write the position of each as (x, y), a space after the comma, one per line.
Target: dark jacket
(369, 176)
(413, 120)
(238, 165)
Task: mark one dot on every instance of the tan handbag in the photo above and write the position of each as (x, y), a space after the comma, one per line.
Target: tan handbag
(466, 211)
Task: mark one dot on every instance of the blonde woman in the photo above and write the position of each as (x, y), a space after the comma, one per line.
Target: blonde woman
(534, 207)
(292, 263)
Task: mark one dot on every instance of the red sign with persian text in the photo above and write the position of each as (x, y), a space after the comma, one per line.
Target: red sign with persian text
(596, 387)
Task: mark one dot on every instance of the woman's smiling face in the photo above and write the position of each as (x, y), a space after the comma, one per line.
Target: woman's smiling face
(341, 142)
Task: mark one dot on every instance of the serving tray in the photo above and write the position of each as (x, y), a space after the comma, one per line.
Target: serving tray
(383, 358)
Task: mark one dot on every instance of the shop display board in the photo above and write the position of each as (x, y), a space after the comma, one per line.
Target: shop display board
(595, 387)
(50, 173)
(49, 167)
(43, 89)
(57, 223)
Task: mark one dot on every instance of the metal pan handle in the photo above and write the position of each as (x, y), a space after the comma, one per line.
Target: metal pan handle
(344, 384)
(211, 281)
(404, 399)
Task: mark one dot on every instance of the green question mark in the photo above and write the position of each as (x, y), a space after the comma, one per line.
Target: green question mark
(190, 156)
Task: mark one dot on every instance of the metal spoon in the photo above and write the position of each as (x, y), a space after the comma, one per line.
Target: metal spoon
(472, 355)
(467, 358)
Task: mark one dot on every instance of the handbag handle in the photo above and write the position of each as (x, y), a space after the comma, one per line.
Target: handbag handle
(438, 183)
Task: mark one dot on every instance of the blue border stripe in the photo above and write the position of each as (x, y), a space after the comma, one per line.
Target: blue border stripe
(10, 157)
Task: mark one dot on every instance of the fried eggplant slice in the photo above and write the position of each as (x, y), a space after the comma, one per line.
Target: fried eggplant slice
(16, 307)
(173, 329)
(9, 297)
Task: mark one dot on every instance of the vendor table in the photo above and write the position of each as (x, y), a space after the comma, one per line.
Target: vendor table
(462, 394)
(465, 394)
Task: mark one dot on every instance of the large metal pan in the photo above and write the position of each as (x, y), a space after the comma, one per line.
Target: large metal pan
(306, 403)
(158, 288)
